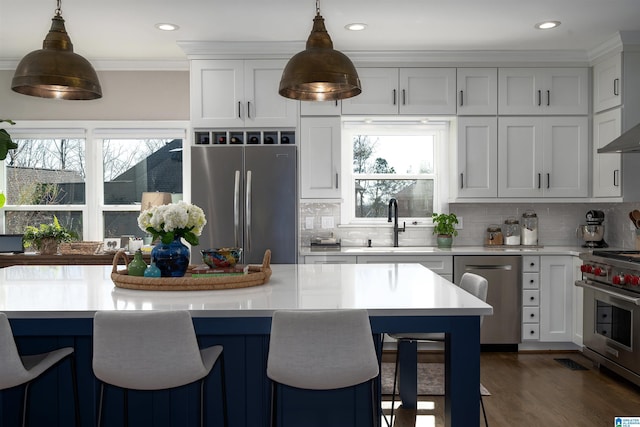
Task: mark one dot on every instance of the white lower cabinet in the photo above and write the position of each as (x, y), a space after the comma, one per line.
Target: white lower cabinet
(442, 265)
(556, 298)
(530, 298)
(547, 298)
(330, 259)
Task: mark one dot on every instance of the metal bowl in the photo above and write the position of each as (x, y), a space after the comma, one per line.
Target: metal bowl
(221, 257)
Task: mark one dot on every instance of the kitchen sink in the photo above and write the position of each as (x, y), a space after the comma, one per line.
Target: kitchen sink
(391, 249)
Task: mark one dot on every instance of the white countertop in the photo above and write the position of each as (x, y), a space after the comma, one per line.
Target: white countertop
(383, 289)
(455, 250)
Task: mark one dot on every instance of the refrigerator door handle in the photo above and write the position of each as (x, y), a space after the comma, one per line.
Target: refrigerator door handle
(248, 211)
(236, 209)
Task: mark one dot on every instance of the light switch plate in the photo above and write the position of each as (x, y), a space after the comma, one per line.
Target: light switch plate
(327, 222)
(308, 223)
(460, 224)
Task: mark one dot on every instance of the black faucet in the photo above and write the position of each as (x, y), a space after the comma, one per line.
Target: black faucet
(393, 212)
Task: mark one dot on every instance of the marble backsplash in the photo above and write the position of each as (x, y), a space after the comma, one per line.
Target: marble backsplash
(557, 223)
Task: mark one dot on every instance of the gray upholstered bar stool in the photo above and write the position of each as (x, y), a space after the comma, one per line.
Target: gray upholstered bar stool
(16, 370)
(474, 284)
(151, 350)
(322, 350)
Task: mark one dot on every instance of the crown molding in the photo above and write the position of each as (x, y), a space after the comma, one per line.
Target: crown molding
(623, 41)
(284, 50)
(122, 65)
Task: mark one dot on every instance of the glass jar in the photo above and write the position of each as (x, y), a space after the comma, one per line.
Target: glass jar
(511, 231)
(529, 228)
(493, 236)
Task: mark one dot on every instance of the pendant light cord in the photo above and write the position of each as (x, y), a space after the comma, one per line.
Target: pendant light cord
(59, 8)
(317, 7)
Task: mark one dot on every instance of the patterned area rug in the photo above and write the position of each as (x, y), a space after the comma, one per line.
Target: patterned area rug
(430, 379)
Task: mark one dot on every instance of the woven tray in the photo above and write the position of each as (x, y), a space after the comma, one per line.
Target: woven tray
(258, 275)
(80, 248)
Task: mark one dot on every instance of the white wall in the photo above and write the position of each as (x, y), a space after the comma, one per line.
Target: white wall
(557, 224)
(126, 95)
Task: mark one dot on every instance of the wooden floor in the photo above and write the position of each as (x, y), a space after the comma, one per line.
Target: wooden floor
(532, 389)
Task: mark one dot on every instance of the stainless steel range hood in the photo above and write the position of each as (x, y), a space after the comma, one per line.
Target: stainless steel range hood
(628, 142)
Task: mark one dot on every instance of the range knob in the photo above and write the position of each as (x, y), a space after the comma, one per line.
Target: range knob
(627, 279)
(598, 271)
(586, 268)
(635, 280)
(617, 280)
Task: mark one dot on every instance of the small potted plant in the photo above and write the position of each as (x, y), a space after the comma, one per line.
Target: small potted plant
(6, 143)
(444, 229)
(46, 238)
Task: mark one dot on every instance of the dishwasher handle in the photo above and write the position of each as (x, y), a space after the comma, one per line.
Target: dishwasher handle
(470, 267)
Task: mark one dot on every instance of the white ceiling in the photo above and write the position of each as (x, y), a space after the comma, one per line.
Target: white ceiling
(124, 29)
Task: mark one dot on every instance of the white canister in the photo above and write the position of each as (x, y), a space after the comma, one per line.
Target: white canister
(529, 227)
(511, 231)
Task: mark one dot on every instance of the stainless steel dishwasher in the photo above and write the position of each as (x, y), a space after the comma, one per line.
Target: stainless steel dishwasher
(503, 272)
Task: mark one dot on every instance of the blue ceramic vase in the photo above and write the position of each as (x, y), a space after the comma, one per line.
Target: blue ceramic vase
(172, 259)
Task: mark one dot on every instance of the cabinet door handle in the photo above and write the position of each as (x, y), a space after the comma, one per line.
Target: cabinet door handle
(249, 109)
(616, 86)
(394, 97)
(461, 98)
(548, 180)
(336, 180)
(548, 98)
(462, 180)
(404, 97)
(539, 178)
(539, 98)
(239, 109)
(336, 102)
(616, 178)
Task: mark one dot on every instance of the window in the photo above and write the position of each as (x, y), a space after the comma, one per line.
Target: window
(91, 178)
(400, 160)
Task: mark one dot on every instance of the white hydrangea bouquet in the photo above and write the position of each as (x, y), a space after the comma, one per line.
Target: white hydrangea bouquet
(169, 222)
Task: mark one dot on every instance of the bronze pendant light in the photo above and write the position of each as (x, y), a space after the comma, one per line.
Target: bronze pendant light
(319, 73)
(55, 71)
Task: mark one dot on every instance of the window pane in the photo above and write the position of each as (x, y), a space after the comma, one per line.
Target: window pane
(398, 154)
(46, 172)
(117, 224)
(134, 166)
(16, 221)
(415, 197)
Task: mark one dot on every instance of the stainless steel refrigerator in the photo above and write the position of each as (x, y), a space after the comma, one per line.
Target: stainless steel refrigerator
(248, 194)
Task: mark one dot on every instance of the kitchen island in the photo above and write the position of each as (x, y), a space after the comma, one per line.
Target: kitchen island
(52, 306)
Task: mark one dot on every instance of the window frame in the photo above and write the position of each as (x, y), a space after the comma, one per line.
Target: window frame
(94, 133)
(440, 128)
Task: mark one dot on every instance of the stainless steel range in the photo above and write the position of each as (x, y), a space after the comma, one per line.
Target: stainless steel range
(611, 335)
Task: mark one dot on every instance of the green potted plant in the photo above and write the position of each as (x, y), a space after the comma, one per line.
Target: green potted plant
(6, 143)
(444, 228)
(46, 238)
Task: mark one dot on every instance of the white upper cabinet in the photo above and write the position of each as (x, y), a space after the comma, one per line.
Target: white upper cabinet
(320, 108)
(606, 166)
(543, 91)
(607, 83)
(239, 93)
(477, 91)
(404, 91)
(543, 157)
(477, 157)
(320, 154)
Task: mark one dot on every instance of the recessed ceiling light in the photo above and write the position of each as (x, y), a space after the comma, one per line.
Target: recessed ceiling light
(547, 25)
(356, 26)
(167, 27)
